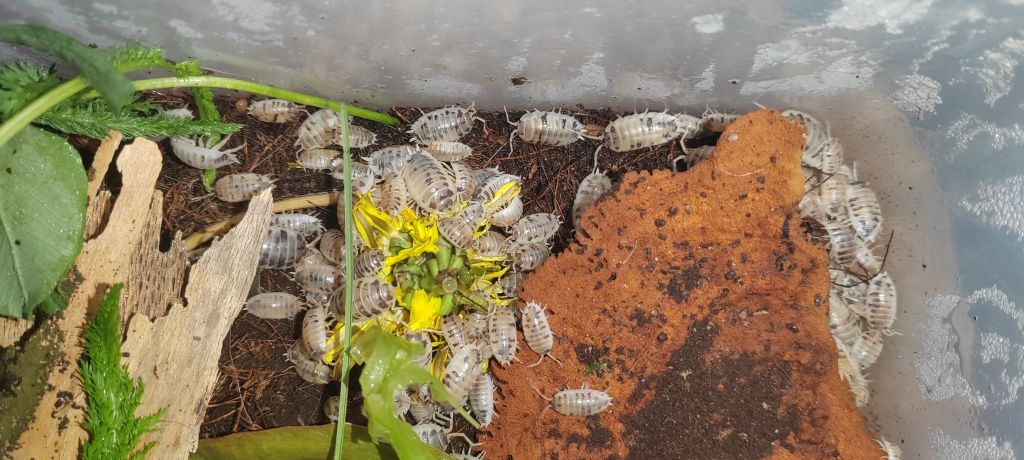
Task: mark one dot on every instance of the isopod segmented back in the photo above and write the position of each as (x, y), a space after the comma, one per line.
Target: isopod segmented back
(428, 183)
(549, 128)
(318, 129)
(314, 332)
(465, 182)
(580, 402)
(446, 124)
(459, 229)
(318, 277)
(358, 137)
(317, 158)
(273, 305)
(647, 129)
(509, 215)
(281, 248)
(275, 110)
(193, 153)
(501, 329)
(881, 301)
(592, 188)
(239, 187)
(369, 263)
(535, 228)
(390, 160)
(865, 212)
(449, 151)
(530, 256)
(303, 224)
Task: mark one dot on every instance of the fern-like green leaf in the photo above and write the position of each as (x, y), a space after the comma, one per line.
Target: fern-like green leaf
(135, 56)
(21, 83)
(203, 96)
(111, 395)
(95, 119)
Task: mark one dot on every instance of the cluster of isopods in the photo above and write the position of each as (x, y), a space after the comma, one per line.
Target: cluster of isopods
(845, 214)
(475, 211)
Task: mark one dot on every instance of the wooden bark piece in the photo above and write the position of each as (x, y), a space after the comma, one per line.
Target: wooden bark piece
(176, 355)
(101, 161)
(56, 430)
(155, 278)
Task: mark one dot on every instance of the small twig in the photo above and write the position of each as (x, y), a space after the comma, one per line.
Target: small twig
(316, 200)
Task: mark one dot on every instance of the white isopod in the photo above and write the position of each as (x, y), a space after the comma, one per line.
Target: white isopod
(815, 133)
(832, 193)
(370, 263)
(501, 331)
(494, 192)
(390, 160)
(318, 129)
(372, 296)
(716, 122)
(865, 212)
(281, 248)
(481, 399)
(579, 402)
(432, 434)
(423, 340)
(537, 331)
(332, 246)
(312, 371)
(868, 347)
(842, 242)
(459, 229)
(511, 284)
(317, 158)
(273, 305)
(358, 137)
(592, 188)
(303, 224)
(462, 370)
(275, 110)
(828, 158)
(647, 129)
(393, 195)
(547, 128)
(530, 256)
(421, 408)
(331, 407)
(509, 215)
(449, 151)
(428, 184)
(446, 124)
(195, 153)
(235, 188)
(489, 244)
(844, 324)
(881, 302)
(476, 326)
(402, 403)
(318, 277)
(892, 451)
(453, 329)
(314, 333)
(535, 228)
(363, 176)
(850, 372)
(464, 180)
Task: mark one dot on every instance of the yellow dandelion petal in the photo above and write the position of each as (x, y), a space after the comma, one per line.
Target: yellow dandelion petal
(425, 311)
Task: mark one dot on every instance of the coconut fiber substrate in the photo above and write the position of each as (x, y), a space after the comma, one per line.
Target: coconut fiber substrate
(697, 302)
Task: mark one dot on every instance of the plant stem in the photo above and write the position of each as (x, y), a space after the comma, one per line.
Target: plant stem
(339, 439)
(261, 89)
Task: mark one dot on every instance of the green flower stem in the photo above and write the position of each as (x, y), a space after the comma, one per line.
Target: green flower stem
(263, 90)
(339, 438)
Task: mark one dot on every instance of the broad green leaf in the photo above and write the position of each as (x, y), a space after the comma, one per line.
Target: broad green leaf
(42, 217)
(94, 65)
(294, 443)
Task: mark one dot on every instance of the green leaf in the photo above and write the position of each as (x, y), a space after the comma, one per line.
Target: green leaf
(294, 443)
(209, 178)
(202, 95)
(94, 65)
(110, 393)
(95, 119)
(135, 56)
(21, 83)
(42, 217)
(389, 369)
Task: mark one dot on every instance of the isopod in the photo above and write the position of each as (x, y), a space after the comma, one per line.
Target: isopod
(449, 151)
(432, 434)
(849, 372)
(547, 128)
(193, 152)
(892, 451)
(182, 112)
(497, 191)
(865, 213)
(390, 160)
(579, 402)
(716, 122)
(647, 129)
(332, 246)
(535, 228)
(509, 215)
(462, 370)
(476, 326)
(372, 297)
(317, 158)
(428, 184)
(303, 224)
(489, 244)
(358, 137)
(235, 188)
(331, 408)
(318, 277)
(482, 175)
(844, 324)
(827, 159)
(453, 329)
(363, 177)
(465, 182)
(314, 333)
(481, 399)
(421, 408)
(281, 248)
(537, 331)
(815, 133)
(275, 110)
(881, 302)
(423, 339)
(369, 263)
(393, 195)
(511, 284)
(273, 305)
(867, 348)
(402, 403)
(531, 256)
(866, 257)
(592, 188)
(696, 155)
(459, 229)
(832, 193)
(501, 330)
(446, 124)
(842, 243)
(312, 371)
(318, 129)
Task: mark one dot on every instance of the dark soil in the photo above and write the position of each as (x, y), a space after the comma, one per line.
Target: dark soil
(257, 388)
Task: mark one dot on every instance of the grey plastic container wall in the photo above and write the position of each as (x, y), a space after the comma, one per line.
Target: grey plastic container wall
(924, 94)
